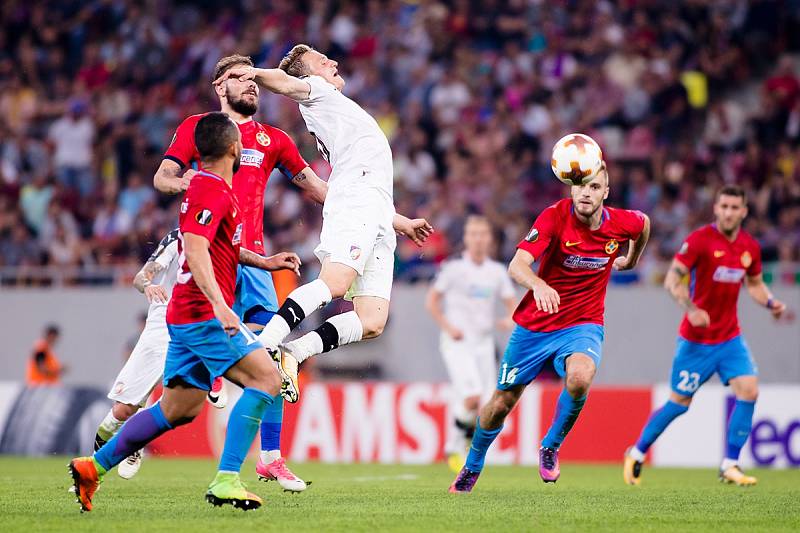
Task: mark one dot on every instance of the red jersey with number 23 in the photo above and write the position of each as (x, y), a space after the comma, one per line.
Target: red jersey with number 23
(264, 148)
(209, 209)
(575, 261)
(718, 267)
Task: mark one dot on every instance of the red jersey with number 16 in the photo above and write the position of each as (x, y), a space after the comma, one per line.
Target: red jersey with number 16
(575, 261)
(264, 148)
(210, 210)
(718, 267)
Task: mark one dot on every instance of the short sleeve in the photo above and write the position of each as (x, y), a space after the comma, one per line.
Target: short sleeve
(689, 252)
(182, 149)
(444, 278)
(318, 89)
(290, 162)
(632, 222)
(754, 269)
(205, 207)
(538, 238)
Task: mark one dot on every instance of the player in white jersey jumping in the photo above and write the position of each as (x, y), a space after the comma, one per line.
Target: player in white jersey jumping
(470, 287)
(359, 221)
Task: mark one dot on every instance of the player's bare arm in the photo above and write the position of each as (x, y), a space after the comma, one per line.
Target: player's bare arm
(272, 79)
(433, 303)
(143, 282)
(313, 185)
(199, 260)
(635, 249)
(170, 177)
(679, 291)
(546, 297)
(280, 261)
(759, 292)
(416, 229)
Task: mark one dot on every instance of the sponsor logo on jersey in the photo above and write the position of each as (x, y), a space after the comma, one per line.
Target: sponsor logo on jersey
(237, 235)
(725, 274)
(746, 259)
(263, 139)
(478, 291)
(204, 217)
(533, 235)
(585, 263)
(611, 246)
(355, 252)
(572, 243)
(252, 157)
(718, 253)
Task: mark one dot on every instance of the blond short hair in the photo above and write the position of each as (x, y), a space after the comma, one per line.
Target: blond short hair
(292, 63)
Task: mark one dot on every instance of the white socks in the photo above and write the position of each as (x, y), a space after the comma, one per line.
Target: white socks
(300, 303)
(268, 456)
(727, 463)
(109, 426)
(636, 454)
(337, 331)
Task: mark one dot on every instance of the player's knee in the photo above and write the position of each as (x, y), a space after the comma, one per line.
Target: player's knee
(748, 394)
(680, 399)
(579, 381)
(372, 328)
(472, 403)
(268, 380)
(123, 411)
(501, 405)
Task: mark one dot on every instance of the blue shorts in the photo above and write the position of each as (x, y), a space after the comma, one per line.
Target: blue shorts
(200, 352)
(695, 363)
(528, 351)
(256, 300)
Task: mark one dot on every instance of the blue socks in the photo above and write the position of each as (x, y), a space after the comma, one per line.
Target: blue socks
(658, 422)
(271, 426)
(567, 411)
(739, 428)
(481, 441)
(243, 425)
(140, 429)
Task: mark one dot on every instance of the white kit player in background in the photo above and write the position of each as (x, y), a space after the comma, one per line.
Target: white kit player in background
(359, 221)
(470, 287)
(144, 367)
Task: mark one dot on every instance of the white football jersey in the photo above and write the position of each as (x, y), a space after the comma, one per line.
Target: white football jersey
(348, 138)
(166, 255)
(471, 293)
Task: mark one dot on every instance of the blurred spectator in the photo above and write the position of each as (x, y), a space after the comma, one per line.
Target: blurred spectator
(73, 135)
(44, 367)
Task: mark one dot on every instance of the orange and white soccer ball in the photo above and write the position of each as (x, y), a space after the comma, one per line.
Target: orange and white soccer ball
(576, 159)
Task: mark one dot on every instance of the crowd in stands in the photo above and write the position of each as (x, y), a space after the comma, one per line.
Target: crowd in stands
(683, 96)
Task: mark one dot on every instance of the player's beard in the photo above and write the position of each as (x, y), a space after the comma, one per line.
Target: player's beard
(243, 107)
(237, 163)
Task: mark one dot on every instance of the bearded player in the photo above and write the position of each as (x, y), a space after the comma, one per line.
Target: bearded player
(719, 257)
(560, 319)
(358, 239)
(265, 148)
(207, 339)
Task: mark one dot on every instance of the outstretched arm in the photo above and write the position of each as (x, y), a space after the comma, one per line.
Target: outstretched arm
(759, 292)
(417, 229)
(279, 261)
(272, 79)
(546, 297)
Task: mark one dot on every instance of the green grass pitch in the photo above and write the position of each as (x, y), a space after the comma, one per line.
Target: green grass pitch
(168, 495)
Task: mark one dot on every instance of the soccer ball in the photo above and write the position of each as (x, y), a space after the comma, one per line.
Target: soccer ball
(576, 159)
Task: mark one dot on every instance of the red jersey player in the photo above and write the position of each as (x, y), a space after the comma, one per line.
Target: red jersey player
(264, 148)
(560, 319)
(207, 339)
(720, 257)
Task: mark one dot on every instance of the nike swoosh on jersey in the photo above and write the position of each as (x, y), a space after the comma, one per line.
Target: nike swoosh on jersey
(570, 243)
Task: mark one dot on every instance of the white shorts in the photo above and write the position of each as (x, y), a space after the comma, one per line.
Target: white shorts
(143, 369)
(471, 365)
(357, 231)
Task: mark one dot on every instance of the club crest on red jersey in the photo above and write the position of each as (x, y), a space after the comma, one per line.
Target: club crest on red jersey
(263, 139)
(746, 259)
(611, 246)
(355, 252)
